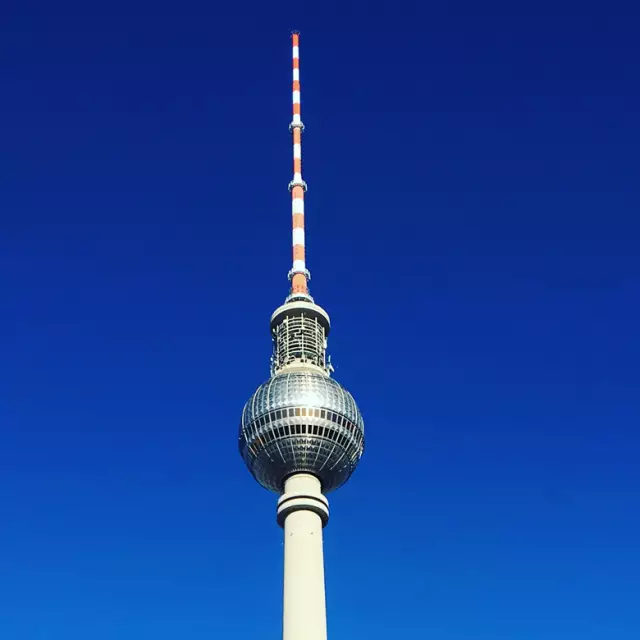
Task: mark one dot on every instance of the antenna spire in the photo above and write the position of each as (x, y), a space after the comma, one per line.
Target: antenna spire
(299, 274)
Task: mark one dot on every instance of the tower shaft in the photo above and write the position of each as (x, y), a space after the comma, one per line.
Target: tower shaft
(303, 511)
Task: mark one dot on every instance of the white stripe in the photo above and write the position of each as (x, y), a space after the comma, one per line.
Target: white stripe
(297, 151)
(296, 118)
(298, 236)
(296, 97)
(297, 177)
(297, 206)
(298, 265)
(296, 52)
(296, 74)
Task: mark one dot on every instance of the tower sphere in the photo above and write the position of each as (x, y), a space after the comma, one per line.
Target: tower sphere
(301, 422)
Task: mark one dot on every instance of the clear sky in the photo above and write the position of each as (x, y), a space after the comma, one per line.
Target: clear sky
(472, 220)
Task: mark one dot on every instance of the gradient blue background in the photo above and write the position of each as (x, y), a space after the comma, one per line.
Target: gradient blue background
(473, 232)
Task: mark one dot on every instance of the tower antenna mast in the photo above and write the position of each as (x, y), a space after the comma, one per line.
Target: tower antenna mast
(299, 274)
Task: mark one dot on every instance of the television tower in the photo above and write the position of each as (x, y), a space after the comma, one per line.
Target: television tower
(301, 433)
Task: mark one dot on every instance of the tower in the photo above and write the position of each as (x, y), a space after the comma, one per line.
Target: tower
(301, 433)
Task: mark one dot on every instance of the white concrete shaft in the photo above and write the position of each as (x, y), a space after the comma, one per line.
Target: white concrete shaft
(305, 614)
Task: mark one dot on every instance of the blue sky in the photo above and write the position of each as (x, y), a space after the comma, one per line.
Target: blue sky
(473, 232)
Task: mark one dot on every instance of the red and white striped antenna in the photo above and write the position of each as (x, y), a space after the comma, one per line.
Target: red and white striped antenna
(299, 274)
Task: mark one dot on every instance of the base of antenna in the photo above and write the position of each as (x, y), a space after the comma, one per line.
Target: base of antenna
(298, 297)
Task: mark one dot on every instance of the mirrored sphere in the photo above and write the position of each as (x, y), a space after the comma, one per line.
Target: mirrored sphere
(301, 422)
